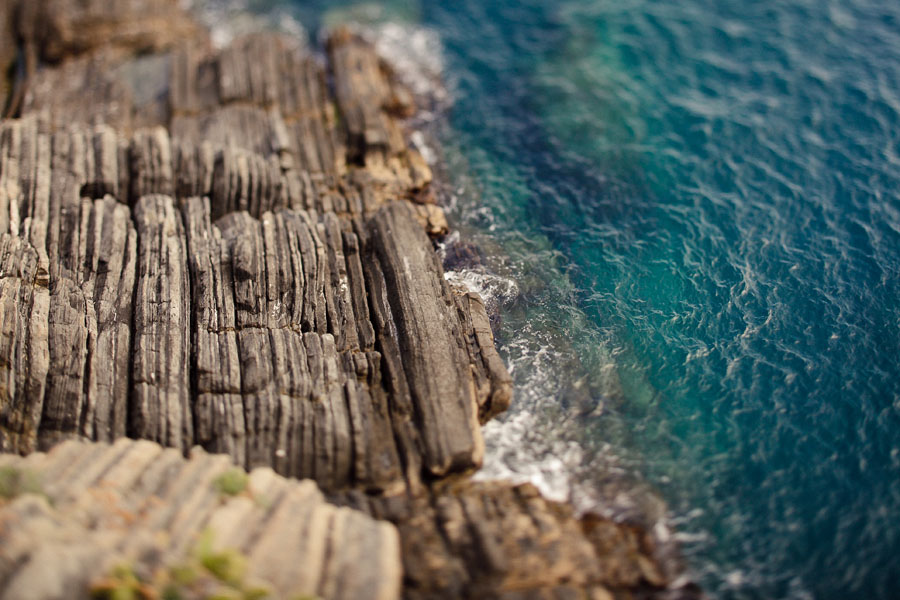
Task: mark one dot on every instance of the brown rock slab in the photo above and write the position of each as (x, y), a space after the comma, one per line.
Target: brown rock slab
(65, 28)
(496, 540)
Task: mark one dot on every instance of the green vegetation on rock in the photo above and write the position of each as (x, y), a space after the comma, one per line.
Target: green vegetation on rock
(207, 574)
(15, 482)
(122, 584)
(232, 482)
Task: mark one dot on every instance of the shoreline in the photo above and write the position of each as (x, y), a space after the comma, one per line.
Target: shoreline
(142, 157)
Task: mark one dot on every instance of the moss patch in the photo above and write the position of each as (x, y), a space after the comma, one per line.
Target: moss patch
(206, 574)
(232, 482)
(15, 482)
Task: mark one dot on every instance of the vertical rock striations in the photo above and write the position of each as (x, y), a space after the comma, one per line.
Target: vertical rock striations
(160, 401)
(24, 354)
(205, 282)
(419, 316)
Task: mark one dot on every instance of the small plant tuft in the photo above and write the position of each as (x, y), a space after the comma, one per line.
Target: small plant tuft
(228, 566)
(172, 591)
(206, 574)
(15, 482)
(232, 482)
(257, 593)
(122, 584)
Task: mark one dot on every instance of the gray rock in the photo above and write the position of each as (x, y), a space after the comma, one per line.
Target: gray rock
(159, 406)
(427, 340)
(24, 356)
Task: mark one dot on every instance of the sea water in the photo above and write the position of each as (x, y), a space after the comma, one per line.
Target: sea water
(689, 215)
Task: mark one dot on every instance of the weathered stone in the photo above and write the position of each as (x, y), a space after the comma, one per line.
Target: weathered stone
(151, 163)
(362, 92)
(90, 326)
(83, 91)
(85, 255)
(8, 50)
(160, 408)
(494, 540)
(493, 384)
(136, 503)
(263, 94)
(432, 219)
(428, 331)
(274, 335)
(63, 28)
(24, 357)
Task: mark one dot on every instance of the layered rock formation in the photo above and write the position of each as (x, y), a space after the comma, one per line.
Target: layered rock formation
(96, 508)
(235, 284)
(228, 248)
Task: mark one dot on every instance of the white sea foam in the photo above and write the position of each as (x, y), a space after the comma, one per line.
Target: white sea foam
(493, 289)
(510, 454)
(521, 446)
(417, 56)
(421, 144)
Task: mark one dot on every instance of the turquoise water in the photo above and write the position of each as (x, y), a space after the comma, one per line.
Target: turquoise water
(690, 215)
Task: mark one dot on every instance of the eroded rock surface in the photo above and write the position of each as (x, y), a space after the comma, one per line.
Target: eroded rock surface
(494, 540)
(193, 289)
(85, 510)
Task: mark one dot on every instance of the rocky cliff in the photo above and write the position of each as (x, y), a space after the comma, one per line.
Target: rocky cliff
(229, 249)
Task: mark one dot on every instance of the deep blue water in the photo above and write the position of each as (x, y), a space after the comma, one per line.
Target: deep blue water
(691, 216)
